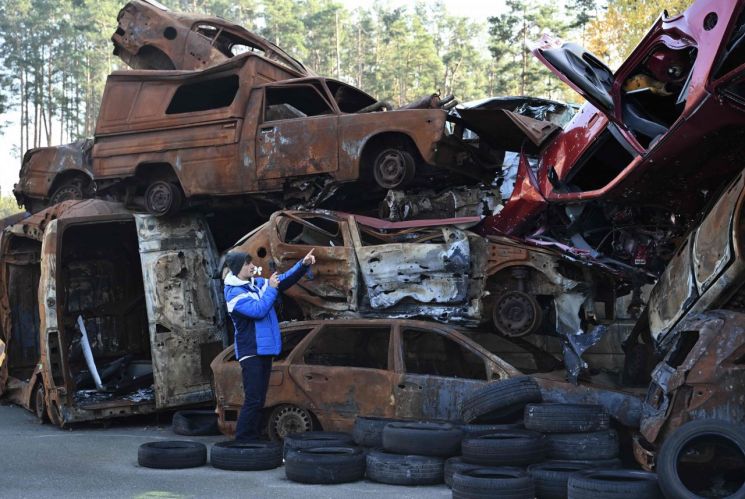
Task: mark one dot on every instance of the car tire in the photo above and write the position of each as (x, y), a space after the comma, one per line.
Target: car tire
(246, 456)
(316, 439)
(195, 423)
(476, 430)
(163, 198)
(40, 403)
(172, 454)
(566, 418)
(595, 445)
(422, 439)
(368, 431)
(505, 447)
(456, 465)
(668, 464)
(394, 168)
(611, 463)
(399, 469)
(500, 401)
(288, 419)
(325, 465)
(550, 478)
(613, 484)
(494, 483)
(75, 188)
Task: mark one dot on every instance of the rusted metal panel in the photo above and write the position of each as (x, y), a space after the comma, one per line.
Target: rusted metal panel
(506, 129)
(451, 203)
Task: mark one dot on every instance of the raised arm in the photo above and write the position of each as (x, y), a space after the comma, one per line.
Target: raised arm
(247, 305)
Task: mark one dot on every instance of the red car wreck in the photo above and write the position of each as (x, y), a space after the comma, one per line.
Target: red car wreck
(655, 143)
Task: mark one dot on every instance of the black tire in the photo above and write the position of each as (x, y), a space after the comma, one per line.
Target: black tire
(456, 465)
(325, 465)
(71, 189)
(246, 456)
(195, 423)
(505, 447)
(496, 483)
(566, 418)
(316, 439)
(613, 484)
(476, 430)
(40, 403)
(611, 463)
(398, 469)
(572, 446)
(550, 478)
(720, 461)
(163, 198)
(500, 401)
(394, 168)
(172, 454)
(422, 439)
(368, 431)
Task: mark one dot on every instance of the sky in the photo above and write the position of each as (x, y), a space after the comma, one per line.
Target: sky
(10, 163)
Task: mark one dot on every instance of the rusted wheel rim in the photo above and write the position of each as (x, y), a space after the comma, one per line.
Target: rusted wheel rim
(40, 403)
(292, 419)
(516, 314)
(67, 193)
(159, 197)
(392, 169)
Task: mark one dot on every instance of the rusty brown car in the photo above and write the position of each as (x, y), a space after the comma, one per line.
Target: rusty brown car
(150, 36)
(330, 372)
(106, 314)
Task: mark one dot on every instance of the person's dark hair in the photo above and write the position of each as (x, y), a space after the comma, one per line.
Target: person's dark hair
(235, 261)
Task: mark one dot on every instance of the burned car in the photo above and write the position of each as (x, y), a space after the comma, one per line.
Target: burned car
(656, 142)
(106, 314)
(330, 372)
(371, 268)
(149, 36)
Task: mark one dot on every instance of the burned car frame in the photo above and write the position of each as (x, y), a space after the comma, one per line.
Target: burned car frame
(107, 314)
(330, 372)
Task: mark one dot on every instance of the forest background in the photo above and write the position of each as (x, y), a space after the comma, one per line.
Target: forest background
(55, 54)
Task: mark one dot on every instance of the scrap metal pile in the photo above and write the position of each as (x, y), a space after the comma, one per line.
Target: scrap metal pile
(599, 248)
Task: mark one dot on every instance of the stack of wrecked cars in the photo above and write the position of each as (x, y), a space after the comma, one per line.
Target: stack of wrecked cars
(599, 252)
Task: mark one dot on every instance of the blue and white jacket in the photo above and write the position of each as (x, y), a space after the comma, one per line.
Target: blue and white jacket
(251, 307)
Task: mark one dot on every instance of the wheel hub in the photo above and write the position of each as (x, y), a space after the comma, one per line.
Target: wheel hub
(70, 192)
(516, 314)
(292, 420)
(392, 168)
(159, 197)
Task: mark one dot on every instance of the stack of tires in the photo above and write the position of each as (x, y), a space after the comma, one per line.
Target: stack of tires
(319, 457)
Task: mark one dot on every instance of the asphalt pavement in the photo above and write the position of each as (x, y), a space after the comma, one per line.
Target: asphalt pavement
(97, 461)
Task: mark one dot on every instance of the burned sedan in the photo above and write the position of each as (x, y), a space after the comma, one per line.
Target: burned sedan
(371, 268)
(150, 36)
(106, 314)
(329, 372)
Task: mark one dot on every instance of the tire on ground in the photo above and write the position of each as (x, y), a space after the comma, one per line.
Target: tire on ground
(195, 423)
(172, 454)
(496, 483)
(566, 418)
(368, 431)
(456, 465)
(729, 479)
(316, 439)
(422, 439)
(550, 478)
(595, 445)
(246, 456)
(476, 430)
(399, 469)
(325, 465)
(500, 401)
(505, 447)
(613, 484)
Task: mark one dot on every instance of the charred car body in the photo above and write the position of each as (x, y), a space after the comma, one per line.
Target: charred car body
(140, 295)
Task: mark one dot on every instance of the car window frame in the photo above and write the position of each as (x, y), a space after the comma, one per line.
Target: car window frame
(296, 356)
(308, 84)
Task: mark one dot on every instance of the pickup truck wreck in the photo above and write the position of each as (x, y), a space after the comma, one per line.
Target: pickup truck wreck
(105, 314)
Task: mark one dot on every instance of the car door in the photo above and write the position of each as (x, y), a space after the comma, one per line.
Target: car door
(430, 268)
(184, 307)
(435, 371)
(345, 370)
(298, 135)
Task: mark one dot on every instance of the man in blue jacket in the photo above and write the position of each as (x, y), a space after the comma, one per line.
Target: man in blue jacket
(257, 337)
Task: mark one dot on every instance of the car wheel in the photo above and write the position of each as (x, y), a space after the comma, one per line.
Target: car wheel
(72, 189)
(316, 439)
(422, 439)
(516, 314)
(500, 401)
(368, 431)
(195, 423)
(703, 458)
(40, 403)
(246, 456)
(613, 484)
(286, 419)
(505, 448)
(393, 168)
(398, 469)
(325, 465)
(512, 483)
(172, 454)
(566, 418)
(163, 198)
(594, 445)
(550, 478)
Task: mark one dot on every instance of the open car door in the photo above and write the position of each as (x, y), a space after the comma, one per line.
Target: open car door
(185, 315)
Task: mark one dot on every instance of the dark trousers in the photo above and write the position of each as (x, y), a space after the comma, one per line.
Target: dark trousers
(256, 371)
